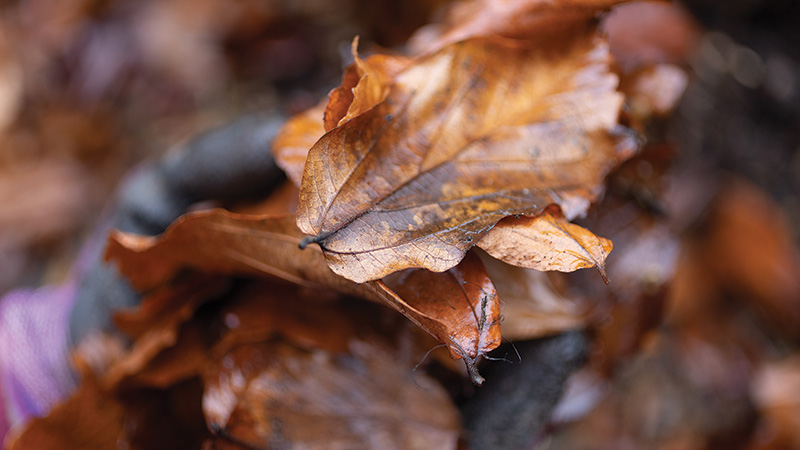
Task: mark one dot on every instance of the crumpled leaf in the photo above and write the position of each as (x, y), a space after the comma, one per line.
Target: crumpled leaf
(479, 131)
(296, 137)
(186, 358)
(459, 307)
(156, 324)
(365, 84)
(88, 419)
(546, 242)
(218, 241)
(276, 380)
(274, 395)
(507, 18)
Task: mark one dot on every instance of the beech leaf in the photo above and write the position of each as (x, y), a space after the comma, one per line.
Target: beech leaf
(276, 394)
(521, 19)
(546, 242)
(458, 307)
(478, 131)
(298, 134)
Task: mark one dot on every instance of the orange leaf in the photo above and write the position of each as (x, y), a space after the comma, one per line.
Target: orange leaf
(459, 307)
(479, 131)
(218, 241)
(546, 242)
(365, 83)
(521, 19)
(222, 242)
(276, 394)
(297, 136)
(334, 375)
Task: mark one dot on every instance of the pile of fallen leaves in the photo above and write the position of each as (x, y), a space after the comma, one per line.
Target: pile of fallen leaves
(443, 182)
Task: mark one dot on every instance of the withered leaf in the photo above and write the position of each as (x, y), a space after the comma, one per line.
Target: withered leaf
(520, 19)
(478, 131)
(365, 83)
(547, 241)
(156, 324)
(274, 395)
(218, 241)
(459, 307)
(90, 418)
(185, 359)
(312, 319)
(296, 137)
(345, 363)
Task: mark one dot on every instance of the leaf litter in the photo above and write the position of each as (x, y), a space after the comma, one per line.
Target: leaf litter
(408, 165)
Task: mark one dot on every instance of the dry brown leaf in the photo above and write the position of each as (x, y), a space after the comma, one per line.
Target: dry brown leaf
(479, 131)
(156, 324)
(530, 304)
(345, 363)
(307, 318)
(459, 307)
(546, 242)
(365, 83)
(508, 18)
(275, 395)
(187, 358)
(218, 241)
(296, 137)
(90, 418)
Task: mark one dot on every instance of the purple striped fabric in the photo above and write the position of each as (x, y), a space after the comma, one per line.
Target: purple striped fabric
(35, 372)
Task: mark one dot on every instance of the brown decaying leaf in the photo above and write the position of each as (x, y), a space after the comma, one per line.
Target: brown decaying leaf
(345, 363)
(185, 359)
(459, 307)
(156, 324)
(546, 242)
(271, 394)
(88, 419)
(530, 304)
(218, 241)
(298, 134)
(222, 242)
(479, 131)
(515, 19)
(365, 84)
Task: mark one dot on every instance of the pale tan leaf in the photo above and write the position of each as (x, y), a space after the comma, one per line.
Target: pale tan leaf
(546, 242)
